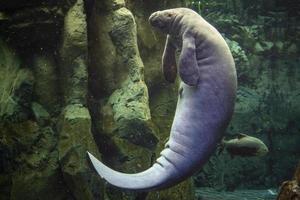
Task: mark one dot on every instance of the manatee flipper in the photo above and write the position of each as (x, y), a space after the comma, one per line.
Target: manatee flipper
(169, 67)
(188, 67)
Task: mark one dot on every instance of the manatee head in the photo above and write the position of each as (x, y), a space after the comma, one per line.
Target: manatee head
(164, 20)
(173, 21)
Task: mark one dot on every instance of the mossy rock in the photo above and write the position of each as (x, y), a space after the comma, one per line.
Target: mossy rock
(36, 183)
(134, 158)
(75, 139)
(182, 191)
(32, 162)
(73, 55)
(16, 86)
(46, 88)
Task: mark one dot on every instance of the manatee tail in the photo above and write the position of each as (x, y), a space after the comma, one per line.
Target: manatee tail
(162, 174)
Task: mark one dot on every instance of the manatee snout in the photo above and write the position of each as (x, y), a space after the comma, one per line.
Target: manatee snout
(155, 20)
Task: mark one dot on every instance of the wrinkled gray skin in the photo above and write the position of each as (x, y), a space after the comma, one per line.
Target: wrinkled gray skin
(205, 103)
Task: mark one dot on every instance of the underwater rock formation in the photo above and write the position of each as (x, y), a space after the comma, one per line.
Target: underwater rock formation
(74, 125)
(16, 85)
(38, 153)
(35, 166)
(290, 190)
(73, 55)
(46, 87)
(75, 138)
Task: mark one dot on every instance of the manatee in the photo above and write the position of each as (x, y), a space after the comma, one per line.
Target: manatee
(205, 101)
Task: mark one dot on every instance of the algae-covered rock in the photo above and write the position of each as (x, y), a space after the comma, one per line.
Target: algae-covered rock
(127, 103)
(74, 35)
(135, 158)
(16, 83)
(241, 61)
(292, 49)
(5, 186)
(75, 139)
(109, 5)
(41, 115)
(73, 55)
(16, 138)
(32, 26)
(17, 4)
(114, 55)
(290, 189)
(268, 45)
(46, 87)
(258, 48)
(132, 115)
(29, 162)
(182, 191)
(117, 85)
(39, 170)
